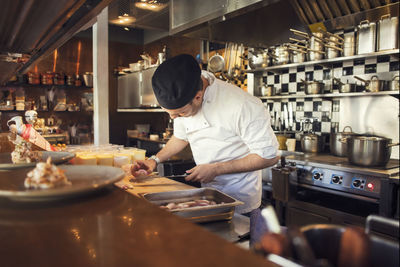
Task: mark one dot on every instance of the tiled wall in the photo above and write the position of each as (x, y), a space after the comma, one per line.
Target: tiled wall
(325, 110)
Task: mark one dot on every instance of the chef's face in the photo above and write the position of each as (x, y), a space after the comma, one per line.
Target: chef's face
(192, 107)
(189, 109)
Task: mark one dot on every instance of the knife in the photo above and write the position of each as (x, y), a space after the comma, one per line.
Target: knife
(290, 108)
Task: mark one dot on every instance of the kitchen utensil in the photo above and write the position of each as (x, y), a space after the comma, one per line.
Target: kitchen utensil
(313, 87)
(300, 33)
(222, 211)
(285, 117)
(315, 54)
(338, 148)
(394, 83)
(388, 33)
(216, 63)
(366, 37)
(290, 110)
(297, 55)
(368, 150)
(349, 44)
(291, 144)
(345, 87)
(373, 85)
(181, 179)
(258, 58)
(267, 90)
(333, 51)
(281, 141)
(282, 54)
(311, 143)
(88, 79)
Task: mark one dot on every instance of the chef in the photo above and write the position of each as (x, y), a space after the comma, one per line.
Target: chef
(228, 130)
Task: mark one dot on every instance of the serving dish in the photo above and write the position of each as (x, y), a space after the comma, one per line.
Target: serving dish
(223, 210)
(84, 179)
(56, 158)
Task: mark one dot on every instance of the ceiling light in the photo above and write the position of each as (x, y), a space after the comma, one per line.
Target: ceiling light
(152, 5)
(126, 28)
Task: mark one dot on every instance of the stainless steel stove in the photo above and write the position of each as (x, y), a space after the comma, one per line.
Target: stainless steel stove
(327, 189)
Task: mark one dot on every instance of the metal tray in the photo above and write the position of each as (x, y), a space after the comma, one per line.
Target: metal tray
(198, 214)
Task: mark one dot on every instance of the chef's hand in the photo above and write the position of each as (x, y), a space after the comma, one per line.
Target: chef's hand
(142, 167)
(203, 173)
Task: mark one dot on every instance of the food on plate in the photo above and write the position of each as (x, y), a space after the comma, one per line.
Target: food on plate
(23, 151)
(189, 204)
(45, 175)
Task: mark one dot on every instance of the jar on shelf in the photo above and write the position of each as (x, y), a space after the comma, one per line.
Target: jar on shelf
(33, 78)
(78, 81)
(59, 78)
(47, 78)
(70, 79)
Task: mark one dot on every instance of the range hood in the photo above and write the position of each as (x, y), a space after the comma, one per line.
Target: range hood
(32, 29)
(267, 22)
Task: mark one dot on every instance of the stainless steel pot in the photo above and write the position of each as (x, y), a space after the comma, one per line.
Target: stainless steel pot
(333, 51)
(369, 150)
(315, 55)
(311, 143)
(388, 33)
(394, 83)
(282, 55)
(345, 87)
(373, 85)
(297, 55)
(338, 148)
(259, 58)
(366, 37)
(267, 90)
(314, 87)
(349, 44)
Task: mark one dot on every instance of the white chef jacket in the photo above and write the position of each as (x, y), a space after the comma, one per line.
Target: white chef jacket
(231, 124)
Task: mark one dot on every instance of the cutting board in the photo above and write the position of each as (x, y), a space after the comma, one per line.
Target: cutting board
(152, 184)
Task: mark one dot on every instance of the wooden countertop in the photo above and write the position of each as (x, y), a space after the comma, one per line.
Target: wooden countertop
(110, 228)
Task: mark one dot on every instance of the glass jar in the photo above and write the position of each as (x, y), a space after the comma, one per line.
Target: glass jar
(47, 78)
(33, 78)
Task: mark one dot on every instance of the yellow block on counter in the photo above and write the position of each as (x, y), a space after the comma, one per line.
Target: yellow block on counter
(86, 159)
(106, 159)
(121, 159)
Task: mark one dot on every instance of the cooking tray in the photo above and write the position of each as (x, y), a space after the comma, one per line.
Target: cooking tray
(197, 214)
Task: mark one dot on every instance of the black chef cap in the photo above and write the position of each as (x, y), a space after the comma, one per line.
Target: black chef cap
(176, 81)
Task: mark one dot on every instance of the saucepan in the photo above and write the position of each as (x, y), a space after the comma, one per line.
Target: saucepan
(373, 85)
(368, 150)
(314, 87)
(345, 87)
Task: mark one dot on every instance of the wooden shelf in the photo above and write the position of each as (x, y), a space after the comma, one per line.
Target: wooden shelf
(47, 86)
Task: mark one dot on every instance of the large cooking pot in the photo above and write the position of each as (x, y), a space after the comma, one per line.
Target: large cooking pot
(314, 87)
(338, 148)
(281, 54)
(311, 143)
(368, 150)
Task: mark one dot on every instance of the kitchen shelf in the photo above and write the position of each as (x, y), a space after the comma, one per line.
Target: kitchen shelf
(46, 86)
(324, 62)
(52, 111)
(140, 110)
(394, 93)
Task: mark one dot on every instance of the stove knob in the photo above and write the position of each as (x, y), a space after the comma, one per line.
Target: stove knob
(356, 183)
(335, 179)
(317, 176)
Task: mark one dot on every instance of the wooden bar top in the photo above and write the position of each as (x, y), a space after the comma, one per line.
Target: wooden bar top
(109, 228)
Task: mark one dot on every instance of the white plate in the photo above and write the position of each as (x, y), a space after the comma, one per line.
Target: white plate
(56, 158)
(84, 179)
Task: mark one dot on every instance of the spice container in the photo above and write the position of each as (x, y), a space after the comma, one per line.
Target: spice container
(70, 79)
(47, 78)
(78, 81)
(33, 78)
(59, 79)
